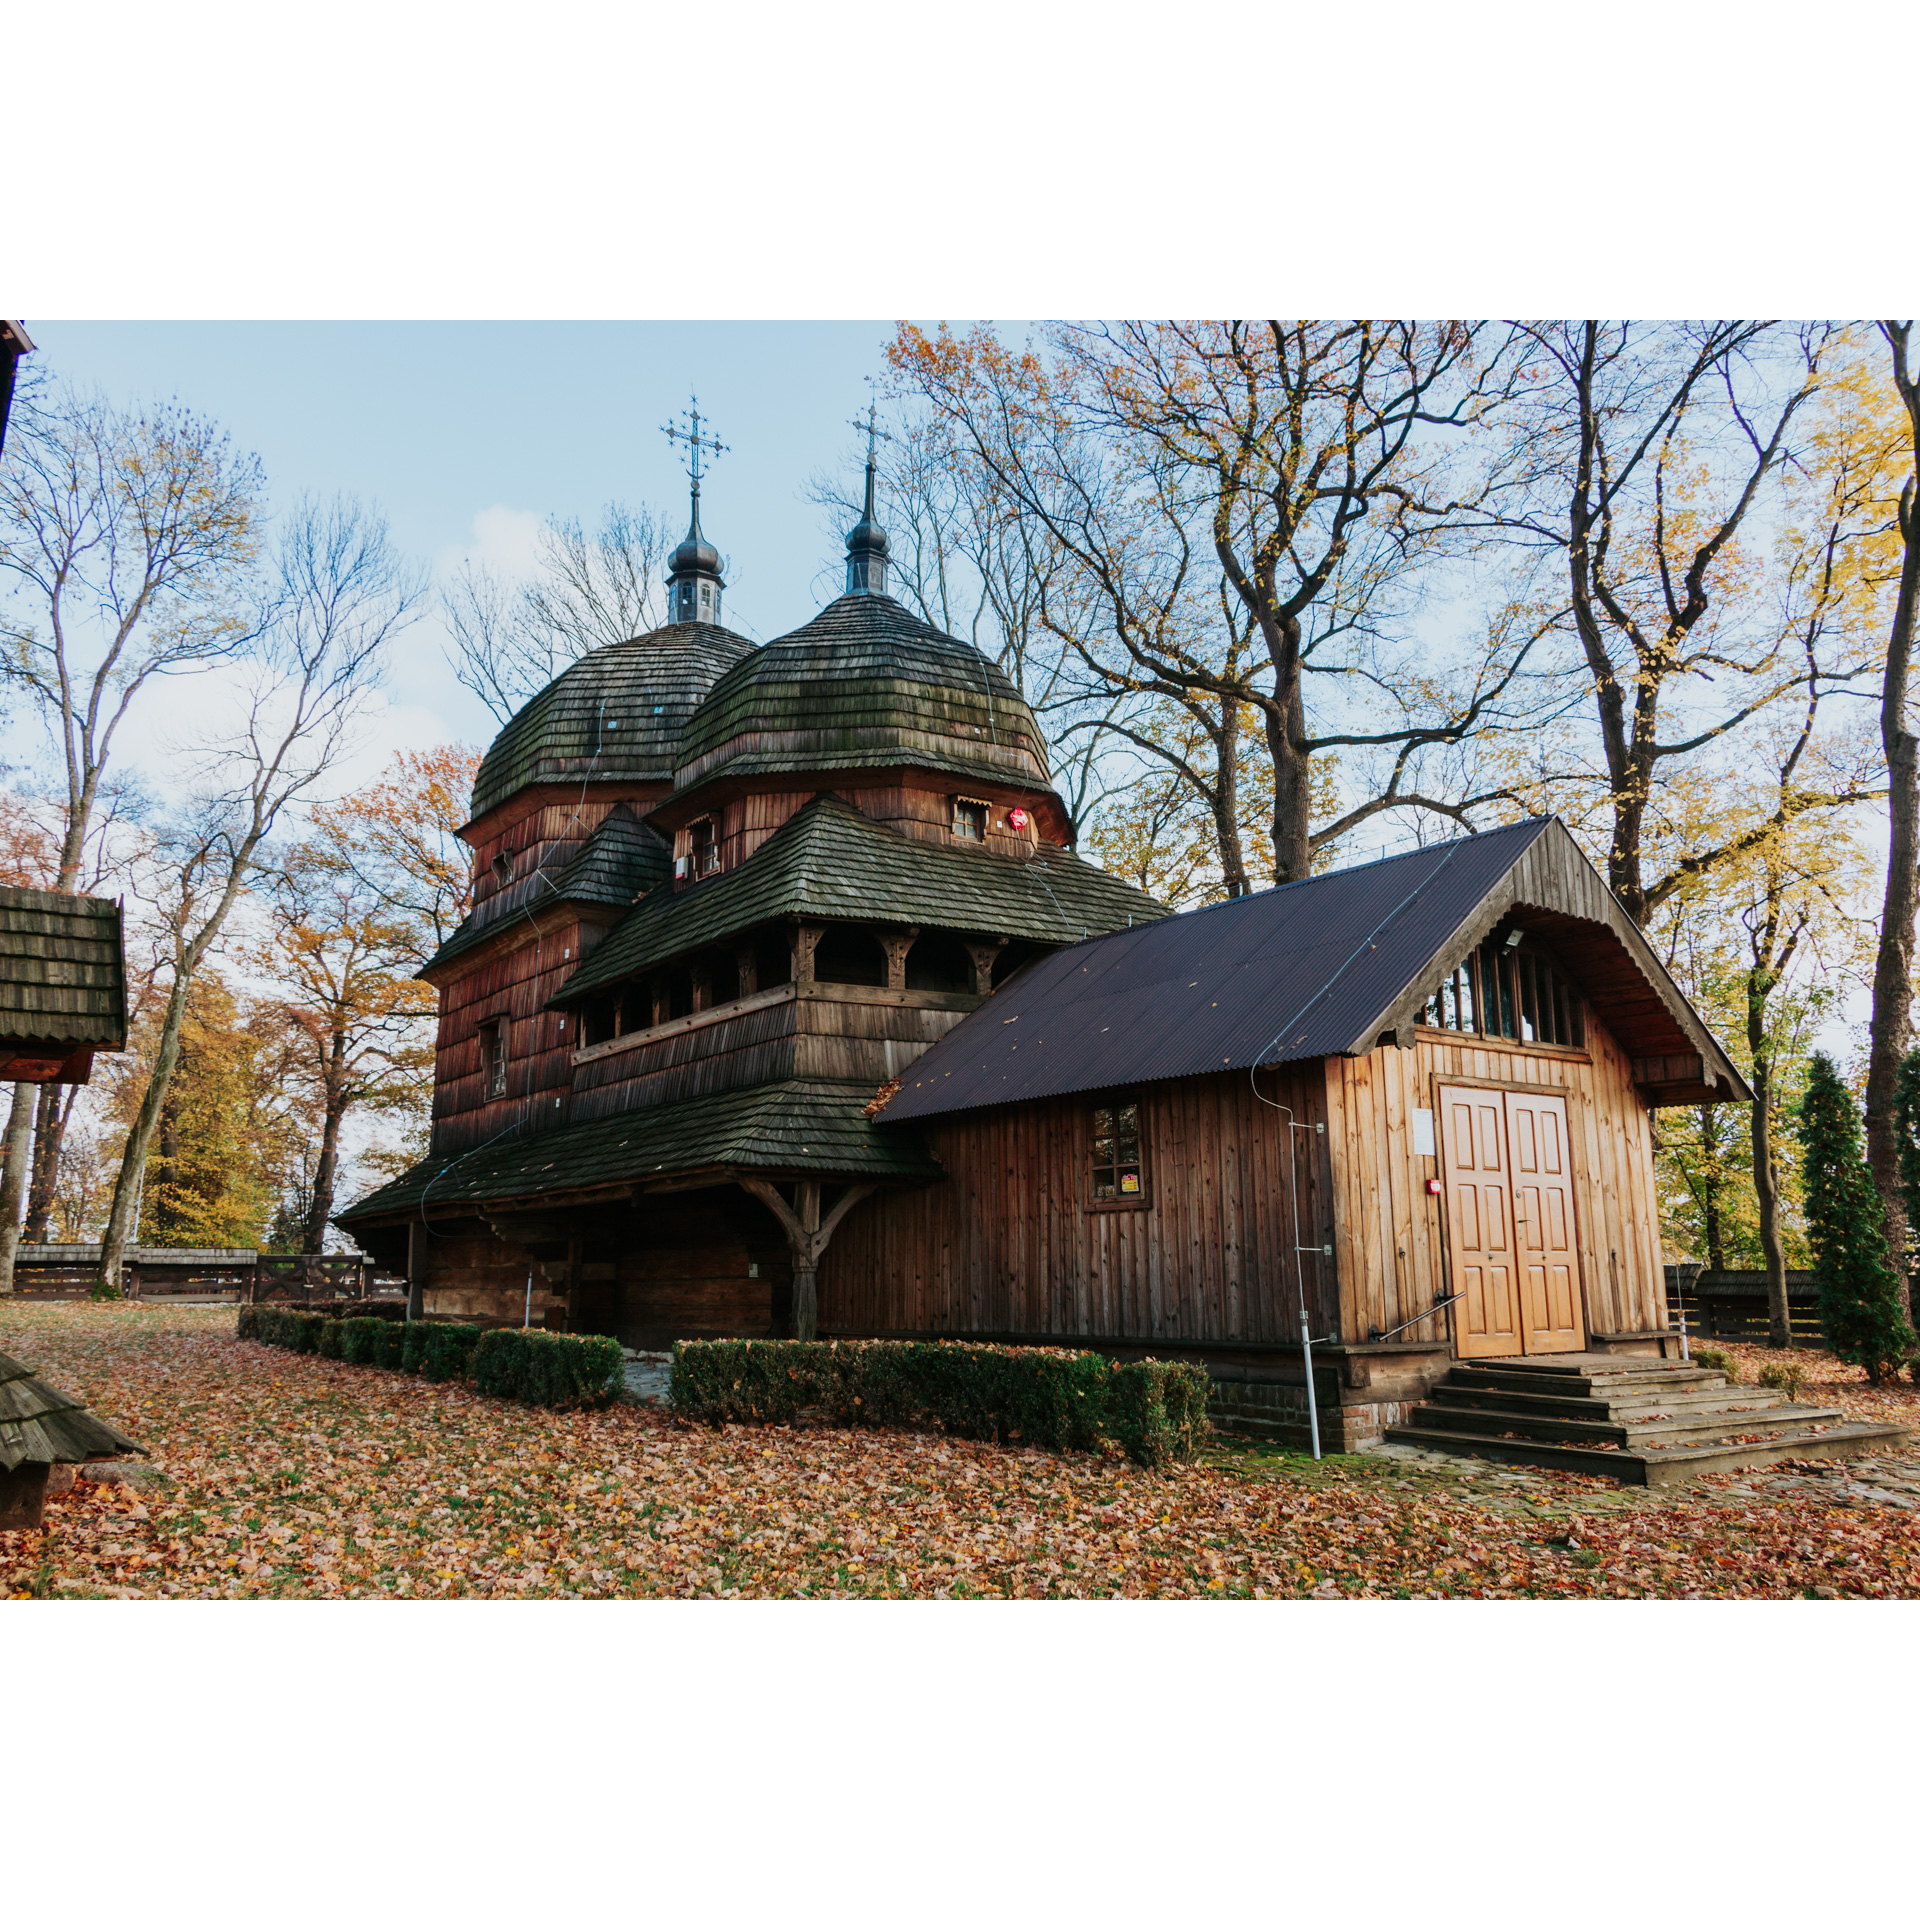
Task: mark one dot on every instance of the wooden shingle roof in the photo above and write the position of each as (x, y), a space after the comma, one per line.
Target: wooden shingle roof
(617, 862)
(614, 715)
(810, 1127)
(62, 970)
(863, 685)
(40, 1424)
(830, 862)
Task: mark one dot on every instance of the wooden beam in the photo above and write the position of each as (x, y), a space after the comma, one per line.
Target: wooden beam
(807, 1237)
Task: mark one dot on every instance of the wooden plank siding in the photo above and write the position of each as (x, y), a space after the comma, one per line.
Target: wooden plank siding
(1010, 1242)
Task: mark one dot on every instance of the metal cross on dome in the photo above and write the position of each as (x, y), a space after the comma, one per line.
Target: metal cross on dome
(695, 441)
(869, 427)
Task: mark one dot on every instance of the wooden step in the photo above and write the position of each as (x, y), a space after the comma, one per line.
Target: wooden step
(1597, 1383)
(1559, 1406)
(1645, 1467)
(1638, 1435)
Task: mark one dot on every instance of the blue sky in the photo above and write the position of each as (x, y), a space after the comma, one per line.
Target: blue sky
(471, 433)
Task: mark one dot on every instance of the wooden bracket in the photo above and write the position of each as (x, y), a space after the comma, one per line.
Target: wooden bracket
(807, 1236)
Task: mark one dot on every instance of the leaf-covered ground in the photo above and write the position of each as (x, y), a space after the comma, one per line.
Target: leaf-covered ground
(283, 1474)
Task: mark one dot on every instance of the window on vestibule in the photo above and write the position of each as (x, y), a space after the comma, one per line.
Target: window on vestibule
(969, 819)
(1119, 1173)
(1508, 989)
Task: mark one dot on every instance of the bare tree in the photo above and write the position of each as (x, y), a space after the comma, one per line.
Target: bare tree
(588, 591)
(1315, 467)
(123, 535)
(336, 597)
(1890, 1031)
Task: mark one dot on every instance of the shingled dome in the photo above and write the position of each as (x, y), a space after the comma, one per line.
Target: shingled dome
(614, 715)
(864, 684)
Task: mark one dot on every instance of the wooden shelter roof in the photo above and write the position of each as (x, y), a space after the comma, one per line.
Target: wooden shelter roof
(615, 714)
(814, 1128)
(831, 862)
(616, 863)
(62, 970)
(1332, 965)
(40, 1424)
(862, 685)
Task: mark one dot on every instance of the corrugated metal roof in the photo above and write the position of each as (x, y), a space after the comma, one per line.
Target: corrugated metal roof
(1295, 973)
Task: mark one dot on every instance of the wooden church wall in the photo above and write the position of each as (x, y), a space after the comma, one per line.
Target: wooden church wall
(514, 985)
(1391, 1235)
(1011, 1241)
(751, 818)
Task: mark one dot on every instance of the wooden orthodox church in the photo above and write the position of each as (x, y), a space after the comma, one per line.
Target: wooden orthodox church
(786, 1006)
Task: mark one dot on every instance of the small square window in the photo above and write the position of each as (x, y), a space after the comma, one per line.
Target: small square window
(1119, 1173)
(970, 819)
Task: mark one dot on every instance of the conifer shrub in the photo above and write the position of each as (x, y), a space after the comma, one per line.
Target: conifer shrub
(548, 1369)
(1154, 1411)
(1860, 1309)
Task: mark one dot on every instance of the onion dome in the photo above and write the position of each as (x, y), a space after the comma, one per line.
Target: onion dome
(616, 714)
(694, 585)
(864, 685)
(867, 543)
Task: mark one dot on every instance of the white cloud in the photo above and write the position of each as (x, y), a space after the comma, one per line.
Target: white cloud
(505, 540)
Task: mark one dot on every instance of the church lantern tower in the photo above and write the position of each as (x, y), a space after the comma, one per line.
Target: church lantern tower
(694, 583)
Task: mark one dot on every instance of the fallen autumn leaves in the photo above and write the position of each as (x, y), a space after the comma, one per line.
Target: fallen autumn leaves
(288, 1475)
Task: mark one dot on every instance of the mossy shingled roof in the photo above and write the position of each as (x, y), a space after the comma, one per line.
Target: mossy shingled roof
(40, 1425)
(612, 867)
(863, 684)
(62, 968)
(629, 702)
(811, 1127)
(830, 862)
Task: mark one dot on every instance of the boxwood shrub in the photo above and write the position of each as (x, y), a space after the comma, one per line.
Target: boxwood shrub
(1152, 1410)
(548, 1369)
(542, 1369)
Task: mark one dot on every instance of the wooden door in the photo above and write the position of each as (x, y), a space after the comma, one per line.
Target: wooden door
(1549, 1274)
(1473, 1137)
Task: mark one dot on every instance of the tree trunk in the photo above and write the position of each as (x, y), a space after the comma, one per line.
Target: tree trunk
(1890, 1031)
(124, 1216)
(1766, 1184)
(314, 1239)
(1226, 801)
(1292, 787)
(49, 1140)
(13, 1183)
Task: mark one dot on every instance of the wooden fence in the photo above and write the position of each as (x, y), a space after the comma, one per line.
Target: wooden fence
(1731, 1304)
(69, 1272)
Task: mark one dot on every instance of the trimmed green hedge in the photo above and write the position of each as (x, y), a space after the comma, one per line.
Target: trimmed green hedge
(548, 1369)
(1152, 1410)
(542, 1369)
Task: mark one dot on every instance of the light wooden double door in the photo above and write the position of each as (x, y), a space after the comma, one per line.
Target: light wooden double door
(1510, 1221)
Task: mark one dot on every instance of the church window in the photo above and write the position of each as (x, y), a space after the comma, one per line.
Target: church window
(1118, 1170)
(493, 1058)
(970, 819)
(703, 849)
(502, 867)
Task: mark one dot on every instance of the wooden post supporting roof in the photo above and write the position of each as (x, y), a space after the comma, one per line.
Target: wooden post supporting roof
(807, 1238)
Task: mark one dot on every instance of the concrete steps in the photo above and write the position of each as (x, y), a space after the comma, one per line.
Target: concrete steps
(1643, 1422)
